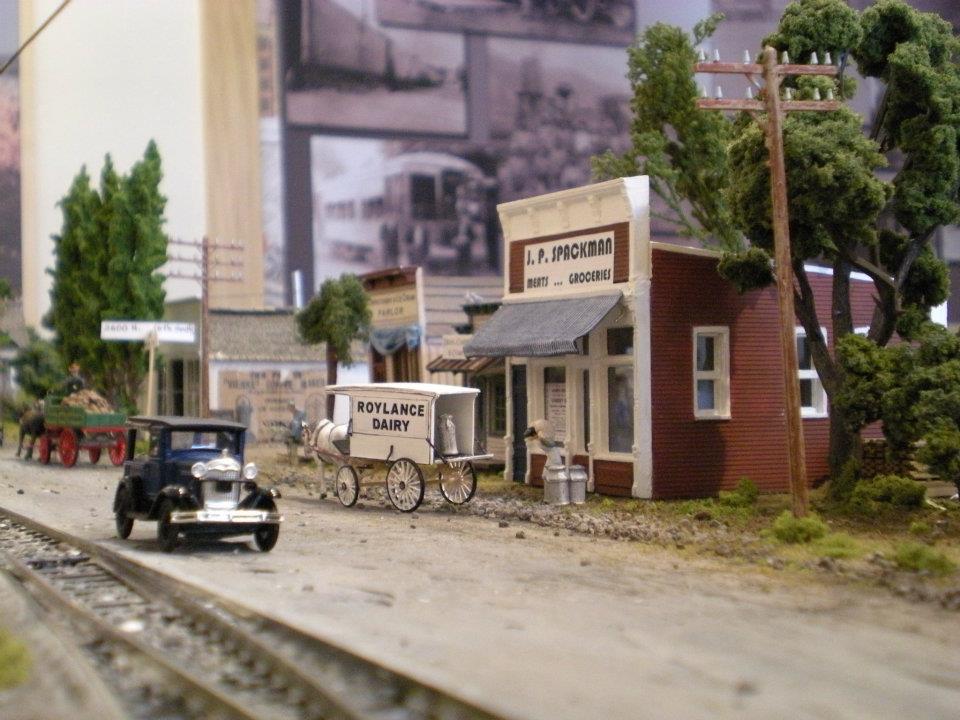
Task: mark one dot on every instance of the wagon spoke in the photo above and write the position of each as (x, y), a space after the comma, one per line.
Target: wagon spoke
(458, 483)
(405, 485)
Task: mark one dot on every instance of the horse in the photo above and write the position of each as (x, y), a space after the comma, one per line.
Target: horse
(31, 423)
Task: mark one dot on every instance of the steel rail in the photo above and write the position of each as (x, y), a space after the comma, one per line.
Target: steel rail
(320, 679)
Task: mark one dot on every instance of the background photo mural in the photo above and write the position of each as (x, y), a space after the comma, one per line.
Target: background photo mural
(404, 126)
(9, 152)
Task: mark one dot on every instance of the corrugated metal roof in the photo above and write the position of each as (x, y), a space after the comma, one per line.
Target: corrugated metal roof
(259, 335)
(470, 365)
(540, 329)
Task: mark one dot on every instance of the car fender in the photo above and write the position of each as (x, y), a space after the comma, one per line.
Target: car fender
(181, 497)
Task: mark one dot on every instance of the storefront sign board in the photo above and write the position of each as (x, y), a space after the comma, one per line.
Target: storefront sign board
(394, 307)
(167, 332)
(266, 395)
(582, 262)
(453, 346)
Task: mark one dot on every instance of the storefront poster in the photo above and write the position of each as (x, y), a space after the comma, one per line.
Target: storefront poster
(555, 400)
(394, 307)
(261, 398)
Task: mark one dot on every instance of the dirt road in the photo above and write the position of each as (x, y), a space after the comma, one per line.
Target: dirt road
(552, 626)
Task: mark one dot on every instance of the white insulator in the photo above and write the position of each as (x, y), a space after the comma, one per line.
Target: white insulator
(746, 57)
(816, 93)
(788, 94)
(716, 55)
(749, 92)
(827, 60)
(784, 58)
(830, 94)
(814, 60)
(701, 55)
(719, 93)
(703, 91)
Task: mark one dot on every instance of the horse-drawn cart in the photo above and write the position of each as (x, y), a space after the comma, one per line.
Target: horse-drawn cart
(404, 428)
(70, 429)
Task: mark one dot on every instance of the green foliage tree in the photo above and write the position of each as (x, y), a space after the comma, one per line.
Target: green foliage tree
(38, 366)
(337, 315)
(711, 172)
(108, 254)
(5, 294)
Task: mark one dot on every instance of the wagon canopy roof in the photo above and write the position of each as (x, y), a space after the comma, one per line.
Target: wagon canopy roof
(540, 328)
(402, 388)
(188, 423)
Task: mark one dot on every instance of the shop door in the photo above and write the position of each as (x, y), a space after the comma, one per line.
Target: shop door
(518, 380)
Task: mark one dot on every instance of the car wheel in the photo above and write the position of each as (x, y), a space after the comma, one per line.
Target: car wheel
(265, 537)
(123, 520)
(167, 532)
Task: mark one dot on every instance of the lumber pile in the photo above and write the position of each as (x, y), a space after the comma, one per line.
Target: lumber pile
(89, 400)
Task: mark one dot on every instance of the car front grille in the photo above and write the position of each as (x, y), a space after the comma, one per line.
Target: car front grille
(220, 494)
(223, 475)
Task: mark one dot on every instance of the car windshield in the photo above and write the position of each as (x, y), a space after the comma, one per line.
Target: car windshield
(204, 440)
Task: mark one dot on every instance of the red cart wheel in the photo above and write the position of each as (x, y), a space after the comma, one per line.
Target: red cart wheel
(43, 452)
(94, 455)
(68, 447)
(118, 451)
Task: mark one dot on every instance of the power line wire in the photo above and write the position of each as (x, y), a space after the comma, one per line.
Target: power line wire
(30, 39)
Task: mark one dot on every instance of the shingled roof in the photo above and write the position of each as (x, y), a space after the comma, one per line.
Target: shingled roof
(259, 335)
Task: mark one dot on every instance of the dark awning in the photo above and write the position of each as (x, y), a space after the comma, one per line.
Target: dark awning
(469, 366)
(540, 329)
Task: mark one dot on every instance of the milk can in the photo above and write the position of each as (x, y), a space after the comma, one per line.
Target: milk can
(447, 435)
(578, 484)
(556, 485)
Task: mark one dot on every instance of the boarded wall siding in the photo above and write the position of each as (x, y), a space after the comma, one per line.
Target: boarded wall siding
(536, 469)
(687, 292)
(613, 478)
(621, 253)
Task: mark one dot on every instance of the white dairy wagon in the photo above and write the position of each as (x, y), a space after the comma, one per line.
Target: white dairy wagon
(405, 427)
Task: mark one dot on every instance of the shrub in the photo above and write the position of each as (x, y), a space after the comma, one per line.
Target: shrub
(871, 496)
(744, 495)
(838, 546)
(922, 558)
(919, 527)
(788, 529)
(841, 486)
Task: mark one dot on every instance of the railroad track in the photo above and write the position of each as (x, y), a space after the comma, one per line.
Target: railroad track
(168, 649)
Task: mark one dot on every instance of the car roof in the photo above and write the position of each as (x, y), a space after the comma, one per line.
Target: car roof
(174, 422)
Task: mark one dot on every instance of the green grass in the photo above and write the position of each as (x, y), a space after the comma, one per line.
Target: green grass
(838, 546)
(15, 661)
(922, 558)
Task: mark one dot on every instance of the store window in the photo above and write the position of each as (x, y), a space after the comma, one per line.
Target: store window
(620, 341)
(813, 400)
(711, 372)
(555, 399)
(498, 405)
(620, 408)
(585, 414)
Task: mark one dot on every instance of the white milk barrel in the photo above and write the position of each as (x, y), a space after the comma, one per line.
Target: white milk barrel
(447, 436)
(556, 485)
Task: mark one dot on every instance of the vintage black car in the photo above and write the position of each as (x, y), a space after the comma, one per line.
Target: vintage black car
(188, 475)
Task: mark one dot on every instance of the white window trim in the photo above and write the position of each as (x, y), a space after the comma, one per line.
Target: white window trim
(819, 408)
(720, 374)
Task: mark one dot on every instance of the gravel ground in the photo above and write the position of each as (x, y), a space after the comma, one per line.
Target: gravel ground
(531, 617)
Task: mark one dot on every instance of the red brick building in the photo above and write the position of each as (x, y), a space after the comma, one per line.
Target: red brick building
(661, 379)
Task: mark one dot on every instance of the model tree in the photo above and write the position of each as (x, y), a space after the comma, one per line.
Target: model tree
(712, 175)
(337, 315)
(108, 254)
(39, 368)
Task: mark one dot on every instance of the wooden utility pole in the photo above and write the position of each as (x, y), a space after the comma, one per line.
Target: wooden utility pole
(208, 264)
(773, 74)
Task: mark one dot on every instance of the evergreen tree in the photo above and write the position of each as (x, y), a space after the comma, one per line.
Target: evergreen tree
(713, 174)
(39, 367)
(108, 254)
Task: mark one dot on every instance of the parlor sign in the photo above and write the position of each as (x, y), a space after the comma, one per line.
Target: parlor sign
(394, 307)
(581, 262)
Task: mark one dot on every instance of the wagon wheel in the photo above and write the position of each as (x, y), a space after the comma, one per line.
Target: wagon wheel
(43, 452)
(405, 485)
(68, 447)
(348, 486)
(458, 482)
(118, 450)
(94, 455)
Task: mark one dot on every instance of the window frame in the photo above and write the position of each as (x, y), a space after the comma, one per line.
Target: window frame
(820, 408)
(720, 375)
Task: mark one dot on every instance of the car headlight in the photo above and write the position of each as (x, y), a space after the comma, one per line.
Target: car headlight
(198, 470)
(250, 471)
